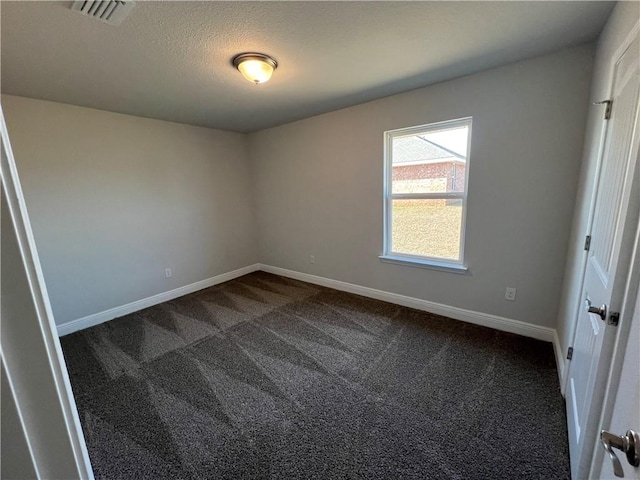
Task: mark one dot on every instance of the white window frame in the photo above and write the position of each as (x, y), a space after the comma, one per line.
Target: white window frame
(437, 263)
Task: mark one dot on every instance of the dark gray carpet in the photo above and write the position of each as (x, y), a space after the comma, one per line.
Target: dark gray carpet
(266, 377)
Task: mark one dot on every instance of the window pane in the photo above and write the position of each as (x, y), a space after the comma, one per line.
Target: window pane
(431, 161)
(429, 228)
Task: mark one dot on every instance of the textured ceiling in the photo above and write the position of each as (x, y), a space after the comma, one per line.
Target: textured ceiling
(172, 60)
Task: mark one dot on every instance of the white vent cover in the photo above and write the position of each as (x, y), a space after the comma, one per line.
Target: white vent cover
(112, 12)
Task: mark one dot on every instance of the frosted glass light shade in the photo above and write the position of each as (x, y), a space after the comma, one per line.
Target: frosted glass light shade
(255, 67)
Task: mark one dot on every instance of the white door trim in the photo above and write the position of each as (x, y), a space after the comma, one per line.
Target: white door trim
(26, 243)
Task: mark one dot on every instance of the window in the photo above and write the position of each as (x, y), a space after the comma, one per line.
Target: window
(426, 171)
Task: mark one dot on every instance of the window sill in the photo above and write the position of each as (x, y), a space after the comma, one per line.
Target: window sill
(429, 264)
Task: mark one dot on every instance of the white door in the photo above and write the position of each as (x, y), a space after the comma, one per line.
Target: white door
(626, 409)
(607, 264)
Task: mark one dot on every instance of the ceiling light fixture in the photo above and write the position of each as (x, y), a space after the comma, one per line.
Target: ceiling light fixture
(255, 67)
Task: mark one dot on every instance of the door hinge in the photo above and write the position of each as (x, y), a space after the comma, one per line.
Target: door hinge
(607, 111)
(587, 243)
(570, 353)
(614, 318)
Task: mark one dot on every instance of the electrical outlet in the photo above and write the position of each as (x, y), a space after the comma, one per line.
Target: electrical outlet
(168, 272)
(510, 294)
(312, 259)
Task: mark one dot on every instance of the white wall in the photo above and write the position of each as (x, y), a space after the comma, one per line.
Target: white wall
(319, 186)
(619, 25)
(114, 199)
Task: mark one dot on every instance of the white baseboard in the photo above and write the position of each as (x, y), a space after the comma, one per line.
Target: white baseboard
(101, 317)
(478, 318)
(493, 321)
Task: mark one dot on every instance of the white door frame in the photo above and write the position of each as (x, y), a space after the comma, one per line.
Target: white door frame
(46, 326)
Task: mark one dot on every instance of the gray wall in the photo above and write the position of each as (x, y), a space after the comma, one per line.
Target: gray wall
(114, 199)
(319, 186)
(619, 25)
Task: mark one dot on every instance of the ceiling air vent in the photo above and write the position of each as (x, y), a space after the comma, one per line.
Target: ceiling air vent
(112, 12)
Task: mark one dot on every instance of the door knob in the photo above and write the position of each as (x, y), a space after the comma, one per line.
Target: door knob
(601, 312)
(629, 444)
